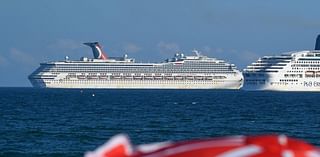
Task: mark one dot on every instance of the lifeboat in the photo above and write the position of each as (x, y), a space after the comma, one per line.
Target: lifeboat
(168, 77)
(158, 77)
(81, 77)
(199, 77)
(92, 77)
(116, 77)
(70, 76)
(102, 76)
(208, 77)
(219, 77)
(128, 77)
(137, 77)
(318, 74)
(310, 73)
(148, 77)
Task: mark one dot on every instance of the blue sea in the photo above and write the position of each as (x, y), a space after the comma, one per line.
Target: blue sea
(59, 122)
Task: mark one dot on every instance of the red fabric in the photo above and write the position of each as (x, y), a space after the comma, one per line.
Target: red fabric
(252, 146)
(118, 151)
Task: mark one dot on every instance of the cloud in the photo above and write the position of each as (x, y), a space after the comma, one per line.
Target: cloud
(166, 48)
(22, 57)
(131, 48)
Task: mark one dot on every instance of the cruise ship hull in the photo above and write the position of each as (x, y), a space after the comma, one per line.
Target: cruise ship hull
(141, 84)
(306, 78)
(312, 85)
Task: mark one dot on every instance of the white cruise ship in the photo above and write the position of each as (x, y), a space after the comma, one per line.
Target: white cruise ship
(293, 71)
(180, 72)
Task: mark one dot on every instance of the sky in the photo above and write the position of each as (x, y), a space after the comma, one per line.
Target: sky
(238, 31)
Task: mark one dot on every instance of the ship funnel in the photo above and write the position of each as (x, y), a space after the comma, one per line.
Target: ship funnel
(98, 53)
(317, 47)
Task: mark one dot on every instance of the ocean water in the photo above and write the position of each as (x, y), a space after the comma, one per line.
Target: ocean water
(56, 122)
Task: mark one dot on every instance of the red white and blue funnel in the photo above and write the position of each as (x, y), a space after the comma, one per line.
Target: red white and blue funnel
(98, 53)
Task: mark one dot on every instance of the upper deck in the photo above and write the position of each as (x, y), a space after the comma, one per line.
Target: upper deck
(272, 63)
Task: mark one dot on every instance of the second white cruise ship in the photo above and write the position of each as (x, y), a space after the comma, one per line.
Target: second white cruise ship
(180, 72)
(293, 71)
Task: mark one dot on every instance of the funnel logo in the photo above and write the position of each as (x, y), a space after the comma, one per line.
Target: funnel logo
(98, 53)
(101, 55)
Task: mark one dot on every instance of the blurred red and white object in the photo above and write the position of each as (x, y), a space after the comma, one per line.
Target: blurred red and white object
(234, 146)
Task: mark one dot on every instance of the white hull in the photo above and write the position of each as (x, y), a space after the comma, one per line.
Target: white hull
(285, 89)
(170, 84)
(308, 85)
